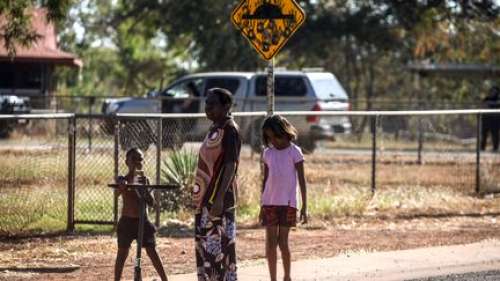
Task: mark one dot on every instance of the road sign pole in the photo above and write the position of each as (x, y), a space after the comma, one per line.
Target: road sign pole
(270, 87)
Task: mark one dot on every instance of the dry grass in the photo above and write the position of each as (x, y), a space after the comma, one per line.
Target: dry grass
(338, 186)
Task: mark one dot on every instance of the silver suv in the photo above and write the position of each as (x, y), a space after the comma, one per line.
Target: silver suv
(294, 91)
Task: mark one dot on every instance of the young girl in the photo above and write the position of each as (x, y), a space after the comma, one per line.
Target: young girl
(283, 164)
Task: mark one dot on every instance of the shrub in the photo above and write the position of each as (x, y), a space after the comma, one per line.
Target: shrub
(179, 168)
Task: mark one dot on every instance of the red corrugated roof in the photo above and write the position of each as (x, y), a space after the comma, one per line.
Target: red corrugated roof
(45, 49)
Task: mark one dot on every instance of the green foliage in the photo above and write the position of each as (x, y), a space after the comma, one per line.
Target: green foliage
(179, 168)
(131, 47)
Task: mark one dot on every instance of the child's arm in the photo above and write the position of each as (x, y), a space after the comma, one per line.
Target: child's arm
(148, 196)
(121, 181)
(266, 174)
(303, 190)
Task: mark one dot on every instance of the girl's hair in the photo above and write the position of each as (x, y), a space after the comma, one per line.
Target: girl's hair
(280, 127)
(225, 96)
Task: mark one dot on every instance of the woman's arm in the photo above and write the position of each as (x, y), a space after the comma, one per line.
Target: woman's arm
(303, 190)
(231, 144)
(228, 173)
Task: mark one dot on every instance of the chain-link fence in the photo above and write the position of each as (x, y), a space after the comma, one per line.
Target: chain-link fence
(34, 175)
(56, 171)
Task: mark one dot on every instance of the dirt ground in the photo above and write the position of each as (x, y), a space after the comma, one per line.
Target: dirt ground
(40, 258)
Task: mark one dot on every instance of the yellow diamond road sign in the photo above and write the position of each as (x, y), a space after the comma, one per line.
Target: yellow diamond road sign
(268, 24)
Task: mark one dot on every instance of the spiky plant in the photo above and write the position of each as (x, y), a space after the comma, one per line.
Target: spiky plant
(179, 168)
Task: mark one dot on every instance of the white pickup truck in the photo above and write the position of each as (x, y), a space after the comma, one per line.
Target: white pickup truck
(294, 91)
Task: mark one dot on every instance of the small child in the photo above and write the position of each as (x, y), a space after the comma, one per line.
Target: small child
(128, 224)
(283, 164)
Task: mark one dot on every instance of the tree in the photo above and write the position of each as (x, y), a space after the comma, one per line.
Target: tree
(357, 40)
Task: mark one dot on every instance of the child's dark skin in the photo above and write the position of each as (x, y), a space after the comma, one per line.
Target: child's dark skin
(135, 163)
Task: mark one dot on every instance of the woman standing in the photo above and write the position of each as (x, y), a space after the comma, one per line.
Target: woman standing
(214, 192)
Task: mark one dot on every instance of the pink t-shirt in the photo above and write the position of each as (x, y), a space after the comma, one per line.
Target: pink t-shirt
(281, 184)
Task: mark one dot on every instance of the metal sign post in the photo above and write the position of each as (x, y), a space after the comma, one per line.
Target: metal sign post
(140, 233)
(270, 87)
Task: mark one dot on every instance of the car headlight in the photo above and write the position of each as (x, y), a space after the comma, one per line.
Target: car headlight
(113, 107)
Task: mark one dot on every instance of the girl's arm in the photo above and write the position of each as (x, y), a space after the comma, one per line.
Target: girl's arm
(266, 174)
(303, 190)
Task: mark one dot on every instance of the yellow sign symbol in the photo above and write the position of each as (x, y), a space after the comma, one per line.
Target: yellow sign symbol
(268, 24)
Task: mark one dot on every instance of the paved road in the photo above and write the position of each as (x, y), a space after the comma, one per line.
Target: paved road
(449, 261)
(474, 276)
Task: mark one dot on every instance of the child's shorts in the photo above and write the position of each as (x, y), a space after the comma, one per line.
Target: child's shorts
(127, 232)
(279, 216)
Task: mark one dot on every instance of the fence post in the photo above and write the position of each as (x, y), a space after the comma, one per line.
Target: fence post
(373, 128)
(420, 141)
(420, 135)
(478, 152)
(89, 135)
(70, 227)
(116, 134)
(159, 145)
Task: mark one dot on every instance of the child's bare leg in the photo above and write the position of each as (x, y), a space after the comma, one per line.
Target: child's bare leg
(271, 245)
(156, 260)
(121, 257)
(285, 250)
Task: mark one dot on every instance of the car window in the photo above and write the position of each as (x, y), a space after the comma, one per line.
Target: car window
(286, 86)
(231, 84)
(191, 87)
(328, 89)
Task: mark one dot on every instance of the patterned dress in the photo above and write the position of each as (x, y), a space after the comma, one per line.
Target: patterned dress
(215, 240)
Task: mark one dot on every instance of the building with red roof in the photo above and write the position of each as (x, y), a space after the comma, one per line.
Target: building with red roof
(30, 72)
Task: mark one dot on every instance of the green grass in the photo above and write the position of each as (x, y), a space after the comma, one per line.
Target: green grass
(94, 203)
(25, 210)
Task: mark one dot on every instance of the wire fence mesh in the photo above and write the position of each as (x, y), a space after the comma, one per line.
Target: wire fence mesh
(423, 165)
(34, 177)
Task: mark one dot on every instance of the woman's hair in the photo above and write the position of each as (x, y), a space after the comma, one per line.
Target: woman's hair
(280, 127)
(225, 96)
